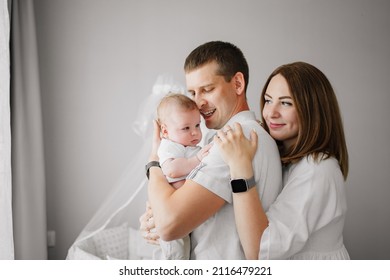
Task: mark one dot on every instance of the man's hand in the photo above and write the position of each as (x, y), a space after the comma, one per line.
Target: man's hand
(156, 140)
(147, 226)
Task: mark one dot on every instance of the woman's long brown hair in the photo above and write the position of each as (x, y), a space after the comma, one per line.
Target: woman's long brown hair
(321, 132)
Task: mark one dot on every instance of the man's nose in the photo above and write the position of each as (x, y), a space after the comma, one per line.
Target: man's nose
(199, 100)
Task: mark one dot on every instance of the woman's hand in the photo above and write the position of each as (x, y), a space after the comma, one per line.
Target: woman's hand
(235, 148)
(156, 140)
(147, 226)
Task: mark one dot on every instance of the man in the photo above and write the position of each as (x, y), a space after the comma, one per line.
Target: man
(217, 77)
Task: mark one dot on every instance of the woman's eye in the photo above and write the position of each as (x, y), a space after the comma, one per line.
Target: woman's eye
(284, 103)
(267, 101)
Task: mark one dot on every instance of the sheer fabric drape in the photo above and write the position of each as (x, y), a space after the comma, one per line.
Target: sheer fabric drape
(6, 237)
(113, 233)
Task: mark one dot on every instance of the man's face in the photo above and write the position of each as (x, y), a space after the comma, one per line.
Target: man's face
(216, 99)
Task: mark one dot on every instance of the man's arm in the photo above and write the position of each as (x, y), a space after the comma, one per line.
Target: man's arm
(178, 212)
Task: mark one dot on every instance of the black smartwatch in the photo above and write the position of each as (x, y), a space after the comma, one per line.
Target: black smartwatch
(150, 164)
(242, 185)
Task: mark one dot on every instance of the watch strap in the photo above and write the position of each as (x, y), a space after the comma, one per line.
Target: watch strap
(149, 165)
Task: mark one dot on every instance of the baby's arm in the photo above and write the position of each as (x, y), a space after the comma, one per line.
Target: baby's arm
(179, 167)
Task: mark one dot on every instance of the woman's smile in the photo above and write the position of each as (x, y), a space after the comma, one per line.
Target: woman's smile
(272, 125)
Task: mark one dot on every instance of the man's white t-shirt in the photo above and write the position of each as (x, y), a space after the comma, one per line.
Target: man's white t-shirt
(217, 238)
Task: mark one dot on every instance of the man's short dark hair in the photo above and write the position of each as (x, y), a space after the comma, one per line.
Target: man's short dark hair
(229, 58)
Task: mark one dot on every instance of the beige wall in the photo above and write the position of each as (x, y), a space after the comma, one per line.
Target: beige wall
(99, 60)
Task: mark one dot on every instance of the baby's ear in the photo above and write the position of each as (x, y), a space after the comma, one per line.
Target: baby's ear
(164, 131)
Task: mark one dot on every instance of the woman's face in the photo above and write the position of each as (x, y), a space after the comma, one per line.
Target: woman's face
(280, 113)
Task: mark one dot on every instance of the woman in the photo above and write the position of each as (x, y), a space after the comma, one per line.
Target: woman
(301, 112)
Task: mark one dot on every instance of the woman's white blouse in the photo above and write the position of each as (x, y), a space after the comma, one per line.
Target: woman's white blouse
(307, 219)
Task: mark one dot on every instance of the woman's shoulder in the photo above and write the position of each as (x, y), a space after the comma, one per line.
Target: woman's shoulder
(320, 166)
(315, 174)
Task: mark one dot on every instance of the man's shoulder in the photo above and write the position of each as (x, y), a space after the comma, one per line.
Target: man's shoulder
(250, 124)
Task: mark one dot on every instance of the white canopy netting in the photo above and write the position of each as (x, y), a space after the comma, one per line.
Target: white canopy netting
(113, 232)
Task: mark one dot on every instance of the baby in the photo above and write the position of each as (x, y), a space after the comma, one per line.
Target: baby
(179, 120)
(179, 153)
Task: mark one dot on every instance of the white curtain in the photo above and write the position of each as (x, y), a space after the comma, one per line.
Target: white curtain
(29, 198)
(6, 238)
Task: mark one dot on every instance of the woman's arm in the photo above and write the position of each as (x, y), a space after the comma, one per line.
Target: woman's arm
(251, 220)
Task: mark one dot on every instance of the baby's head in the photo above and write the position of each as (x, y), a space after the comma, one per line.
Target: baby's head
(179, 119)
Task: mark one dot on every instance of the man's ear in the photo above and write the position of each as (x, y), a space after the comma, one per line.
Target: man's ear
(239, 83)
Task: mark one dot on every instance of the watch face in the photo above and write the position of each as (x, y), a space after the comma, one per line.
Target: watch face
(238, 185)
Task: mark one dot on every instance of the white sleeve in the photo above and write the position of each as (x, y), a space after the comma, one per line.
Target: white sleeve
(169, 149)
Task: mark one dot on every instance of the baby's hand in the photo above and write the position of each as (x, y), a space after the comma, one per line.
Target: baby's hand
(204, 152)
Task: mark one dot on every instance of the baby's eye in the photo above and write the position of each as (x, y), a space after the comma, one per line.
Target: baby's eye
(186, 128)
